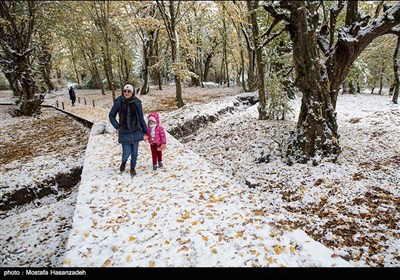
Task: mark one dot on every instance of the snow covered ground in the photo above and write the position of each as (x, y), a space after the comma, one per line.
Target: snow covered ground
(184, 214)
(352, 206)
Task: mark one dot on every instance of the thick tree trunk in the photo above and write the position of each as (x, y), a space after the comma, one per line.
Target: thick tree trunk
(317, 128)
(25, 88)
(396, 72)
(317, 135)
(16, 43)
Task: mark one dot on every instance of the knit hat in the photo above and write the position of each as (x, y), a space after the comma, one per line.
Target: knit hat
(128, 87)
(151, 118)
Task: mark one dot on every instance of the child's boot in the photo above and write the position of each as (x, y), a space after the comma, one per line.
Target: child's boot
(160, 164)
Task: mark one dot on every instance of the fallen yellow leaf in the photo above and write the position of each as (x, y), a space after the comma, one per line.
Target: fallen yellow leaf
(183, 248)
(152, 264)
(240, 233)
(186, 215)
(23, 225)
(279, 249)
(131, 238)
(86, 234)
(270, 260)
(205, 238)
(106, 263)
(212, 198)
(214, 251)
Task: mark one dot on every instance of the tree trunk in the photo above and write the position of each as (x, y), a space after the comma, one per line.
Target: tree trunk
(155, 73)
(23, 84)
(241, 70)
(108, 71)
(320, 80)
(89, 55)
(16, 36)
(317, 135)
(45, 71)
(207, 66)
(380, 83)
(262, 112)
(396, 72)
(352, 88)
(170, 24)
(252, 81)
(102, 21)
(201, 69)
(225, 52)
(178, 84)
(71, 48)
(44, 56)
(147, 50)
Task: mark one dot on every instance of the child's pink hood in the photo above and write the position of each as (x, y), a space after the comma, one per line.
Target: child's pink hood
(159, 130)
(156, 116)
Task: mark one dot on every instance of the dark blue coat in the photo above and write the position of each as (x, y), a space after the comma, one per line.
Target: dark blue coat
(128, 135)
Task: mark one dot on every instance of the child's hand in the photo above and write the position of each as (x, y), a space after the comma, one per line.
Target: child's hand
(162, 146)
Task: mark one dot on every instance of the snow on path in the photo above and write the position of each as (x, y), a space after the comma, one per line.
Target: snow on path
(185, 214)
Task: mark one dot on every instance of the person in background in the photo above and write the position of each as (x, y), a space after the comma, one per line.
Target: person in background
(156, 139)
(131, 125)
(72, 95)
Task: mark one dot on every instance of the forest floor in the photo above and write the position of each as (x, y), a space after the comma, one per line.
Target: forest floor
(352, 206)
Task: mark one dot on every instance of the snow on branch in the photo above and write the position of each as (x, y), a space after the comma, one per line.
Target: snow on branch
(363, 32)
(271, 8)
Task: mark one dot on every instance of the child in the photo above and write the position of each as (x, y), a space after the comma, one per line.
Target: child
(157, 139)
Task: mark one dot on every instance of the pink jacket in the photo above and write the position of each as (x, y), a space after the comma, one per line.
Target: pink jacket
(159, 137)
